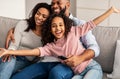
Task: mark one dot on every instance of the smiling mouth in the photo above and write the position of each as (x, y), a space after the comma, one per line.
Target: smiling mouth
(56, 10)
(58, 33)
(38, 22)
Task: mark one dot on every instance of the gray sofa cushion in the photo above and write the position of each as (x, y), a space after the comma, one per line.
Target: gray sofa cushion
(106, 38)
(5, 25)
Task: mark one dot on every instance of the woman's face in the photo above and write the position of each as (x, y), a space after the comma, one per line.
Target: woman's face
(58, 27)
(41, 15)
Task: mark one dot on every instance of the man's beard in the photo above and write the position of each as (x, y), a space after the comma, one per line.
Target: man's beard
(63, 10)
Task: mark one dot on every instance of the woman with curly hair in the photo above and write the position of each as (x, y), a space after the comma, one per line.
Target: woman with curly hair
(27, 36)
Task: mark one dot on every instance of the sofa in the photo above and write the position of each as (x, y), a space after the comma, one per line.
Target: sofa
(105, 36)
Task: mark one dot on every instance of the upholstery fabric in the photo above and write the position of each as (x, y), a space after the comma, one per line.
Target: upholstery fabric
(106, 38)
(116, 66)
(5, 25)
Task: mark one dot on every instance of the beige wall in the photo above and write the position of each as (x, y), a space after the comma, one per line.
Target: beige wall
(31, 3)
(89, 9)
(83, 9)
(20, 9)
(12, 8)
(73, 7)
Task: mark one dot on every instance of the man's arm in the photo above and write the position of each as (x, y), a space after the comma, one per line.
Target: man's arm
(10, 37)
(90, 43)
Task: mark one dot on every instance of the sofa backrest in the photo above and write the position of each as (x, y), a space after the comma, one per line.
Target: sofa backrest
(5, 25)
(106, 38)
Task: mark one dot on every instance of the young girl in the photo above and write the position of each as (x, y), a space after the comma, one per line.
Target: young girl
(61, 36)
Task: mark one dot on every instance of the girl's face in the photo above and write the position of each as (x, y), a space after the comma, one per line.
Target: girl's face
(41, 15)
(58, 27)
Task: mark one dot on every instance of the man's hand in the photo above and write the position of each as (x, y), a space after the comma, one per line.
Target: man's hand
(10, 37)
(74, 60)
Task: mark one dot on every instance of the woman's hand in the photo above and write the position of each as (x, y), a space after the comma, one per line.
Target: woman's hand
(3, 52)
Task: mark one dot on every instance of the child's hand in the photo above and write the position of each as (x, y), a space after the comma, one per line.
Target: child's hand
(3, 52)
(115, 10)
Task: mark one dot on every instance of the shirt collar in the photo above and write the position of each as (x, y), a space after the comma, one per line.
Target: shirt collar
(71, 16)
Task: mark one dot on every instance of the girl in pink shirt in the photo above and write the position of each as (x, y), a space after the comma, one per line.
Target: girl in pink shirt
(64, 39)
(60, 36)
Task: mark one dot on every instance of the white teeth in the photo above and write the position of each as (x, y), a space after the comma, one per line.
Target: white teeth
(56, 10)
(38, 21)
(58, 32)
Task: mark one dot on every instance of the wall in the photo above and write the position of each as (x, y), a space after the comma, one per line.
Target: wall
(83, 9)
(89, 9)
(73, 7)
(12, 8)
(20, 9)
(31, 3)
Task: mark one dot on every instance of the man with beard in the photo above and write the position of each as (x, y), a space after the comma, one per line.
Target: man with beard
(92, 48)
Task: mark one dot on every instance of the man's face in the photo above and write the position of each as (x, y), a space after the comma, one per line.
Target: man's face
(58, 5)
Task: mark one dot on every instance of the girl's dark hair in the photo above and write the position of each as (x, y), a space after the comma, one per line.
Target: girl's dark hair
(47, 36)
(31, 20)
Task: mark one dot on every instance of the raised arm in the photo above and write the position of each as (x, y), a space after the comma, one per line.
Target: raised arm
(105, 15)
(92, 24)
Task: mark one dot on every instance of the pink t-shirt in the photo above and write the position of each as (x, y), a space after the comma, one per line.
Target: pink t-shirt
(70, 45)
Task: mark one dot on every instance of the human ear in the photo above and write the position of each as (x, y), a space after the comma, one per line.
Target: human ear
(67, 5)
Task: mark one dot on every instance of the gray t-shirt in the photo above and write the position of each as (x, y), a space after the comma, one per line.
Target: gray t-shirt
(25, 40)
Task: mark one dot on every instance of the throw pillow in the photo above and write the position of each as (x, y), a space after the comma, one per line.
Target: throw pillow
(116, 67)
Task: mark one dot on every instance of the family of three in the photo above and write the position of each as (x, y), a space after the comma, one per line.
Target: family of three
(51, 31)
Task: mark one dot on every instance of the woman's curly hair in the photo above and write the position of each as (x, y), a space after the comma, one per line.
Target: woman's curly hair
(47, 36)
